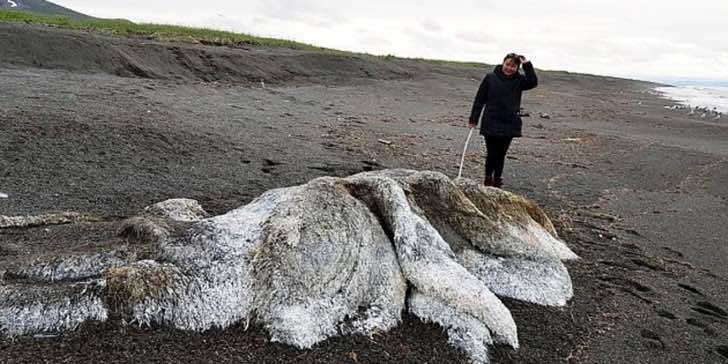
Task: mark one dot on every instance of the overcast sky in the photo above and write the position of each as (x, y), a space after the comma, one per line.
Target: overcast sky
(629, 38)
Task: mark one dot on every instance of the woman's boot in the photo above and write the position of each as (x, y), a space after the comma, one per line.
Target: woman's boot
(488, 181)
(498, 182)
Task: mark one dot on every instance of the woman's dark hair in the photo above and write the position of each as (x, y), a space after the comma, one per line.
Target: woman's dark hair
(515, 57)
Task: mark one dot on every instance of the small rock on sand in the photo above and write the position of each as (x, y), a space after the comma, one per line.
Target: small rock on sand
(4, 195)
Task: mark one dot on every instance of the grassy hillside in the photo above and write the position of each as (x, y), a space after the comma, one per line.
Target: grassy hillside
(156, 31)
(181, 33)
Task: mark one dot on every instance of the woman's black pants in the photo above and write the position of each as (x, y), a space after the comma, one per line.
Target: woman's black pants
(496, 147)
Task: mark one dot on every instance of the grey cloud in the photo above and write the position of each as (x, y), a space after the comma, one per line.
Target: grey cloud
(475, 36)
(431, 25)
(374, 41)
(437, 43)
(308, 11)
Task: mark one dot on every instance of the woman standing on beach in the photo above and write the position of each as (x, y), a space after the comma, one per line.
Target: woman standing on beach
(500, 95)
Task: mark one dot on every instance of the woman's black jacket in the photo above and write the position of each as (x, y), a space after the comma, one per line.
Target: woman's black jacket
(501, 97)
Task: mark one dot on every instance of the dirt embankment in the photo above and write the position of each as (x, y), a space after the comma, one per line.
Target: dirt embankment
(42, 47)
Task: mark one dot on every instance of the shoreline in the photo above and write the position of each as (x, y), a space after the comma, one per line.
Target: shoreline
(712, 108)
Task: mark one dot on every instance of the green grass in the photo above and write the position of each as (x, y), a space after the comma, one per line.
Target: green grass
(156, 31)
(124, 27)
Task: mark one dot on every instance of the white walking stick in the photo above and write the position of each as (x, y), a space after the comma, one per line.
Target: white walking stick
(465, 149)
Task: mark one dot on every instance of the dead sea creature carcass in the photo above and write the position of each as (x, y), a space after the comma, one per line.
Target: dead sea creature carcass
(331, 257)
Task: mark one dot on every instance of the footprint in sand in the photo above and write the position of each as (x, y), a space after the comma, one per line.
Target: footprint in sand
(666, 314)
(652, 338)
(709, 309)
(697, 323)
(650, 265)
(269, 165)
(690, 288)
(324, 167)
(371, 165)
(722, 350)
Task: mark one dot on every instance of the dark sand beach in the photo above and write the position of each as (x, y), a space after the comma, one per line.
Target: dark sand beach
(107, 125)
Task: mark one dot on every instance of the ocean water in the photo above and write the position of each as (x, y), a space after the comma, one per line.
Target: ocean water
(710, 97)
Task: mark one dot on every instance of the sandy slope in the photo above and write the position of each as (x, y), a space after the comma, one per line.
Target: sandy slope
(635, 189)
